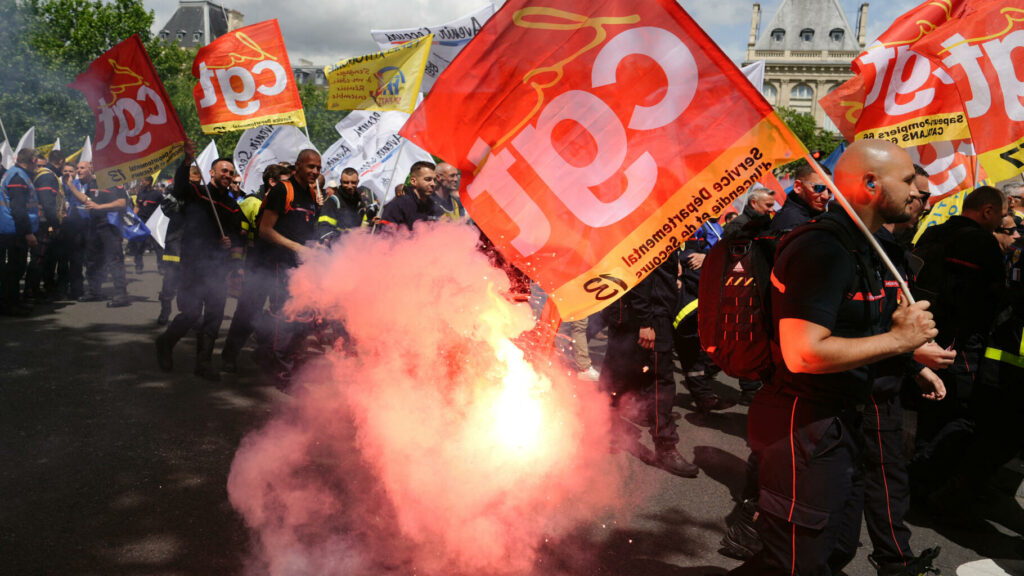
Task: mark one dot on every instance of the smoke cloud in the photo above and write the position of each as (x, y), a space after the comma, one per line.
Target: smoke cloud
(430, 446)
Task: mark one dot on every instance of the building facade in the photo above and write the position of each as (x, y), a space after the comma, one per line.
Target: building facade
(198, 22)
(807, 47)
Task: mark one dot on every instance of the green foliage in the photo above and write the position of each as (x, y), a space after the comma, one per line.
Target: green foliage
(45, 44)
(803, 126)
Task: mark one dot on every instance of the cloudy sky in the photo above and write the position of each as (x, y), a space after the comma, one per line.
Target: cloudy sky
(324, 31)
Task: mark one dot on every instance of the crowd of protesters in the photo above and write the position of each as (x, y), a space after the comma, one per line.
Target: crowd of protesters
(849, 352)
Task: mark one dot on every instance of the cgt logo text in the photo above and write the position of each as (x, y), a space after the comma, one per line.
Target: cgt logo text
(133, 108)
(240, 85)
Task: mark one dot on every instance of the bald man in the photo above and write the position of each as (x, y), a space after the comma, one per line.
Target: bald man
(804, 425)
(446, 193)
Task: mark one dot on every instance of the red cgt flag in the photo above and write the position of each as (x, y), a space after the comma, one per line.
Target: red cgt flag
(245, 80)
(983, 51)
(594, 137)
(137, 128)
(844, 106)
(906, 98)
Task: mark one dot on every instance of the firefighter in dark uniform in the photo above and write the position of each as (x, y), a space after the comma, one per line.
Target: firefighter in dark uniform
(18, 227)
(639, 370)
(209, 254)
(103, 253)
(287, 232)
(804, 425)
(170, 257)
(998, 405)
(43, 267)
(147, 199)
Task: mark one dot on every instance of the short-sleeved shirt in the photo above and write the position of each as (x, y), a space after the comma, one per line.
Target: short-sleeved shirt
(296, 222)
(818, 280)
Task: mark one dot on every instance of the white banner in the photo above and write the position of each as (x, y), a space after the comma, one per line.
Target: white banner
(382, 157)
(755, 73)
(265, 145)
(86, 151)
(7, 155)
(28, 140)
(449, 39)
(205, 160)
(338, 157)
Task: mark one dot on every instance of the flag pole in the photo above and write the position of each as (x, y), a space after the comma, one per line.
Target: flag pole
(863, 228)
(210, 198)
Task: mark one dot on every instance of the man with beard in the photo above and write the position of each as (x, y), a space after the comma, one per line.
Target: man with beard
(344, 209)
(211, 249)
(808, 199)
(445, 193)
(803, 426)
(417, 202)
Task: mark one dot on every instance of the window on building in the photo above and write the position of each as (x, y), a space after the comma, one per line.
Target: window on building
(197, 36)
(801, 92)
(771, 94)
(180, 35)
(836, 34)
(778, 34)
(807, 34)
(164, 34)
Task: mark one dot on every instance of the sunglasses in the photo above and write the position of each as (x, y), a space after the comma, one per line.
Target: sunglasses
(1006, 231)
(819, 188)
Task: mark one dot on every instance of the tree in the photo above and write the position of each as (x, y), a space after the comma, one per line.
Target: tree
(806, 130)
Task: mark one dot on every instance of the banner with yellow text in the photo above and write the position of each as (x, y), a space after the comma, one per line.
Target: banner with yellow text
(983, 51)
(593, 138)
(137, 128)
(388, 80)
(245, 80)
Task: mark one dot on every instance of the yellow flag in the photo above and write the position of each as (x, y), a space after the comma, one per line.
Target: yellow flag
(44, 151)
(942, 210)
(388, 80)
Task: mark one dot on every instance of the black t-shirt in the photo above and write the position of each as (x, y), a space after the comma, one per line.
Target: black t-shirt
(817, 279)
(296, 222)
(148, 200)
(98, 218)
(408, 209)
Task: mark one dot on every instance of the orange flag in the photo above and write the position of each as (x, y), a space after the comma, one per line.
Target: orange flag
(844, 106)
(245, 80)
(596, 136)
(983, 51)
(904, 97)
(137, 129)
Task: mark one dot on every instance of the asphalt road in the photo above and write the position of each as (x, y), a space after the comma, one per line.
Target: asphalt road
(109, 466)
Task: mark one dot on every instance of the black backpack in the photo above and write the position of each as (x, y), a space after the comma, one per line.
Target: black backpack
(734, 318)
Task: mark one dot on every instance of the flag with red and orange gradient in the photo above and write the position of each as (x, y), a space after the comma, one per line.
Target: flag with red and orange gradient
(594, 137)
(897, 93)
(137, 129)
(245, 81)
(983, 52)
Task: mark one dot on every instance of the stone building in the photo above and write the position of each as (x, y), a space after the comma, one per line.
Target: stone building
(199, 22)
(807, 47)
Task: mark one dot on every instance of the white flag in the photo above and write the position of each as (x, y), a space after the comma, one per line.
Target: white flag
(205, 160)
(157, 224)
(265, 145)
(28, 140)
(755, 73)
(382, 156)
(338, 157)
(86, 151)
(56, 145)
(7, 155)
(449, 39)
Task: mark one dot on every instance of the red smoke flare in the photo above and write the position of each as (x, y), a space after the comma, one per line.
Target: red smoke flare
(435, 448)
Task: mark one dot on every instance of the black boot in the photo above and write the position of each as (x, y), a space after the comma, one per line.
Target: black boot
(165, 352)
(204, 358)
(229, 358)
(165, 312)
